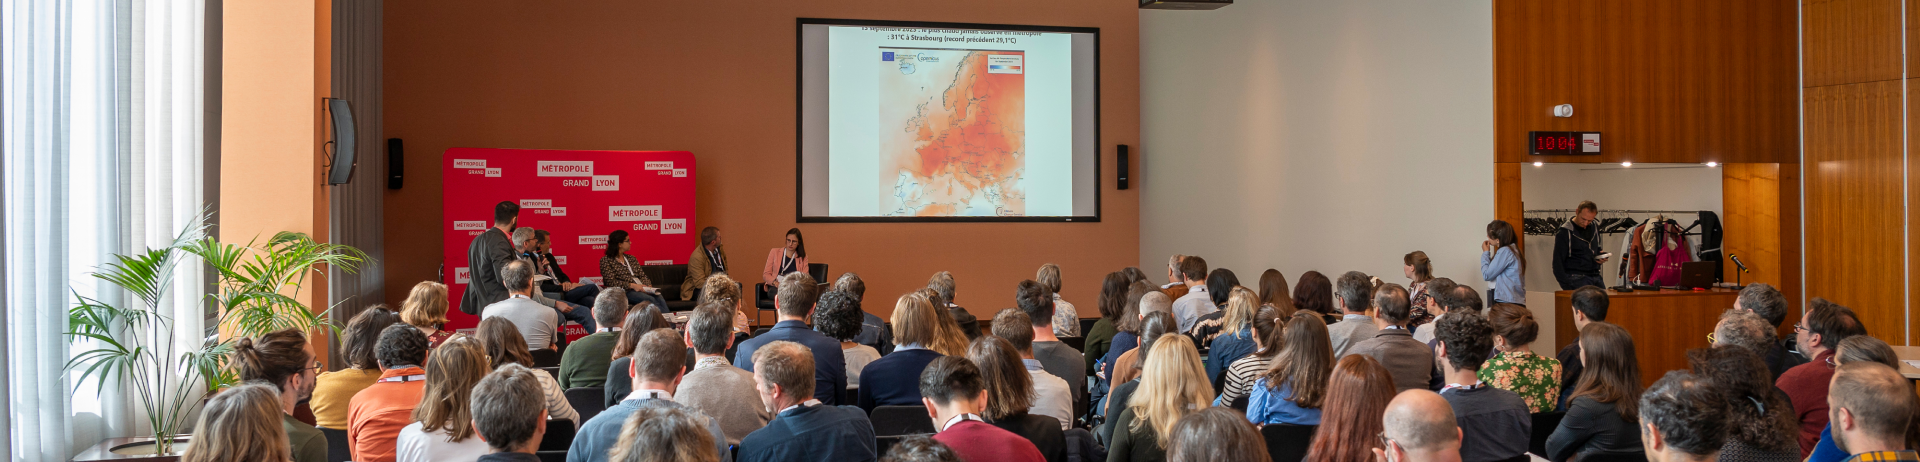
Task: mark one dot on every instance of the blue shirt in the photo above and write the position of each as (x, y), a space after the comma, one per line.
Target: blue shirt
(829, 363)
(1826, 451)
(1268, 406)
(599, 434)
(810, 433)
(894, 380)
(1227, 349)
(1503, 269)
(1123, 342)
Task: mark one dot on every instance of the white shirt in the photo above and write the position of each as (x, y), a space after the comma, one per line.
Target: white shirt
(650, 393)
(858, 356)
(1190, 307)
(417, 445)
(1052, 397)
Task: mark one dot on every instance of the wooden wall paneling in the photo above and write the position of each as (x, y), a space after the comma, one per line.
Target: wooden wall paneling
(1751, 196)
(1913, 35)
(1693, 81)
(1851, 41)
(1791, 253)
(1507, 203)
(1854, 202)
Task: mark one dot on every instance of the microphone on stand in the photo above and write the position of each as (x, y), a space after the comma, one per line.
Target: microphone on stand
(1737, 262)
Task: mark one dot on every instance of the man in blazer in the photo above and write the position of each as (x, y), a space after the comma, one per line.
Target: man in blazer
(1409, 360)
(489, 252)
(707, 260)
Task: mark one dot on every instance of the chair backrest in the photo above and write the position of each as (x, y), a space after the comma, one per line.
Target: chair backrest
(588, 401)
(546, 358)
(559, 436)
(819, 273)
(551, 456)
(667, 278)
(1288, 442)
(900, 420)
(1604, 457)
(338, 448)
(1543, 425)
(552, 371)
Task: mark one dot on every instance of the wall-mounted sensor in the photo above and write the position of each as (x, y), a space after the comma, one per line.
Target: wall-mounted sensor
(1564, 110)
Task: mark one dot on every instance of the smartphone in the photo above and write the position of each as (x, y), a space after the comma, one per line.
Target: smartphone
(1605, 256)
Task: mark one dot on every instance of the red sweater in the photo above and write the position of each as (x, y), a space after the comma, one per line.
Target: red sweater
(976, 441)
(1806, 385)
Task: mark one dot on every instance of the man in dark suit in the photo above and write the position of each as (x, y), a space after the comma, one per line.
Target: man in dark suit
(803, 428)
(707, 260)
(560, 287)
(490, 252)
(795, 303)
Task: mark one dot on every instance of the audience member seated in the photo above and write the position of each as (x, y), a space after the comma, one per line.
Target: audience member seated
(1188, 309)
(1126, 365)
(1759, 420)
(1215, 435)
(956, 394)
(1156, 327)
(1744, 329)
(715, 387)
(921, 448)
(1683, 419)
(1127, 328)
(1826, 324)
(641, 319)
(1011, 397)
(1275, 292)
(1858, 348)
(1099, 338)
(442, 428)
(1354, 291)
(1419, 272)
(725, 290)
(1066, 318)
(1494, 423)
(585, 362)
(1267, 340)
(1176, 286)
(618, 269)
(665, 434)
(894, 380)
(528, 247)
(281, 359)
(838, 316)
(1294, 389)
(426, 309)
(1589, 306)
(233, 427)
(1359, 390)
(509, 414)
(376, 414)
(795, 303)
(332, 391)
(1770, 304)
(558, 286)
(659, 363)
(499, 338)
(942, 285)
(1602, 414)
(1234, 339)
(1055, 356)
(1873, 407)
(1206, 328)
(1410, 361)
(1436, 290)
(1171, 386)
(873, 330)
(1315, 293)
(1420, 427)
(1047, 394)
(803, 428)
(1515, 367)
(782, 261)
(538, 324)
(708, 259)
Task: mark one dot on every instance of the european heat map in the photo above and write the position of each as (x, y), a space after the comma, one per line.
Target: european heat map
(952, 132)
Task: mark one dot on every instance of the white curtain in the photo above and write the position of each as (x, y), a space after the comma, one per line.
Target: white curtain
(103, 106)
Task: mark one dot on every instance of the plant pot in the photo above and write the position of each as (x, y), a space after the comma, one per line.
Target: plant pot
(131, 450)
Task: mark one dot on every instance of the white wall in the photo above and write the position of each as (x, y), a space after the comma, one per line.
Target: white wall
(1318, 135)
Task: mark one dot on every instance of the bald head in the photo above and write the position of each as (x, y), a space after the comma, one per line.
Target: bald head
(1422, 423)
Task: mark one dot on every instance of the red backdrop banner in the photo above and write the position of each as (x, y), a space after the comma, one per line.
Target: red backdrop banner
(579, 197)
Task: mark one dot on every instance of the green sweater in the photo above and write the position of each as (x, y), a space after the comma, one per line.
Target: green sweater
(309, 445)
(586, 360)
(1099, 339)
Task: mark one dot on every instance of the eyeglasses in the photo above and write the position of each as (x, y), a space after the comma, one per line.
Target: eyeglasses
(1710, 340)
(1386, 445)
(1800, 327)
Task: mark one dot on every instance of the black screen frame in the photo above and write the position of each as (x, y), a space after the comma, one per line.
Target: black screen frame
(799, 109)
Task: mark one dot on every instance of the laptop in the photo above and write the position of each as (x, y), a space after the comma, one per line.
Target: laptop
(1696, 275)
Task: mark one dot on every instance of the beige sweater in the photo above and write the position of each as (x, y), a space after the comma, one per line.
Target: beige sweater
(724, 392)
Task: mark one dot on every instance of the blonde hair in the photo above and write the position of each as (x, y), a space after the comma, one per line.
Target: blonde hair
(1172, 385)
(1049, 277)
(1241, 304)
(720, 287)
(917, 321)
(664, 434)
(240, 424)
(426, 305)
(452, 372)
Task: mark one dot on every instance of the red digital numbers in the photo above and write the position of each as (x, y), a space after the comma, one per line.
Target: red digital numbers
(1553, 142)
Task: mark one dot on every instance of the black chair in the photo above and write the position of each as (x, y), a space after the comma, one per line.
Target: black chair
(559, 436)
(338, 448)
(1612, 457)
(900, 420)
(545, 358)
(1518, 458)
(668, 278)
(551, 456)
(1078, 343)
(1543, 425)
(588, 401)
(553, 371)
(817, 270)
(1288, 442)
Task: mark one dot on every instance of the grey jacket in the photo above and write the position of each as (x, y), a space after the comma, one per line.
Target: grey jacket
(490, 252)
(1410, 361)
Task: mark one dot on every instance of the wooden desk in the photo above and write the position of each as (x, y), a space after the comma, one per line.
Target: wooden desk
(1665, 324)
(1906, 353)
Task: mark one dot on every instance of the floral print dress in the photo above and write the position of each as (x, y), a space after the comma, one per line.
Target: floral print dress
(1535, 378)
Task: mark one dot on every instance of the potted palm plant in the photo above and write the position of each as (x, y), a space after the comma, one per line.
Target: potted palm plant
(257, 290)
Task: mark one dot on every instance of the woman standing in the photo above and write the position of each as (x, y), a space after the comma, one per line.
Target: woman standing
(1502, 264)
(619, 269)
(442, 428)
(1603, 415)
(1172, 385)
(1360, 388)
(1293, 391)
(426, 309)
(782, 260)
(1515, 367)
(1267, 328)
(1419, 270)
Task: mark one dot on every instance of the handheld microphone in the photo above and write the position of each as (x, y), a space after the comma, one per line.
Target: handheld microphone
(1736, 262)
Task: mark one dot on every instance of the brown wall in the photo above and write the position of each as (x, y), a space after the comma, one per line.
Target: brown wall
(717, 79)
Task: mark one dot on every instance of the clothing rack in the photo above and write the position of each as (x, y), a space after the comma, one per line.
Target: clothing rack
(1610, 221)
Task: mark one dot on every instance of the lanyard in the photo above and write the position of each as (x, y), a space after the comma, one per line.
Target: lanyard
(404, 378)
(960, 418)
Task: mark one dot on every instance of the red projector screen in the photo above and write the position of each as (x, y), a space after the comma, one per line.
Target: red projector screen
(579, 197)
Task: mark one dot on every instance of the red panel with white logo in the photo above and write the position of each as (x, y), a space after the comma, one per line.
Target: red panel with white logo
(579, 197)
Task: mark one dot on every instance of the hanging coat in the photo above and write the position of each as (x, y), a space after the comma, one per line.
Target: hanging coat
(1673, 251)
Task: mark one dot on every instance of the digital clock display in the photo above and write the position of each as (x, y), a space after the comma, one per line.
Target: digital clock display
(1563, 143)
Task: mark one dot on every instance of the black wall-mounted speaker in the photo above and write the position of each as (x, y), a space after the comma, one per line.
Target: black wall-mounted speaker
(396, 163)
(1123, 167)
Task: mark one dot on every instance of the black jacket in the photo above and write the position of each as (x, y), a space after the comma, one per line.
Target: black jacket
(490, 252)
(1574, 250)
(553, 267)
